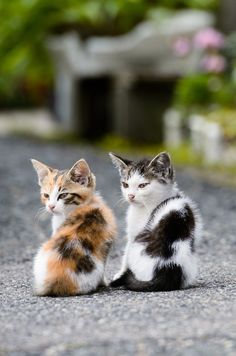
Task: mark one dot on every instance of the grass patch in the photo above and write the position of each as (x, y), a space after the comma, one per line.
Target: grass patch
(55, 137)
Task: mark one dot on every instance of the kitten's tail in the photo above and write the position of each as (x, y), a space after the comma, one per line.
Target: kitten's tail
(119, 281)
(166, 278)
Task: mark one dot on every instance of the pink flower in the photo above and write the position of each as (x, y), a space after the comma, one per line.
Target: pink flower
(209, 38)
(182, 46)
(213, 63)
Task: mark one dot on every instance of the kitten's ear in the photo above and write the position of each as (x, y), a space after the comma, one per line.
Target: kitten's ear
(80, 173)
(41, 169)
(161, 164)
(119, 162)
(162, 160)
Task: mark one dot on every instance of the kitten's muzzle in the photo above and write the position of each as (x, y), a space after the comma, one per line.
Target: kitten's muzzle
(131, 197)
(51, 207)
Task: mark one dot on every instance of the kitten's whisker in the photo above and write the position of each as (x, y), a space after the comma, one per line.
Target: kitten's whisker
(40, 210)
(120, 201)
(40, 214)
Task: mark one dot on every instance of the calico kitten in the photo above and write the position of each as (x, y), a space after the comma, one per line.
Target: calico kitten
(73, 260)
(163, 227)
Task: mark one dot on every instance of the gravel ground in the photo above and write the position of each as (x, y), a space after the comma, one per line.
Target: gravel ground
(196, 321)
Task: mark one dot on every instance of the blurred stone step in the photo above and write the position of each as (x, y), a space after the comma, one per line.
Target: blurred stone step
(28, 122)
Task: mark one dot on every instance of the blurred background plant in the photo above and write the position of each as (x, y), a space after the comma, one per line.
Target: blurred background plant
(211, 91)
(26, 71)
(214, 85)
(207, 99)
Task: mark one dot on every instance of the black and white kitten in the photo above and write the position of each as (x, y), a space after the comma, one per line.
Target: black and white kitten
(163, 227)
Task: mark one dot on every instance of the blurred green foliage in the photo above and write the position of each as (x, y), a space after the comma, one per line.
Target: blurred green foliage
(181, 155)
(202, 91)
(226, 118)
(25, 69)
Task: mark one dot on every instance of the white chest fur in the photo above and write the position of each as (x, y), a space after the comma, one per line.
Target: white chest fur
(137, 218)
(57, 221)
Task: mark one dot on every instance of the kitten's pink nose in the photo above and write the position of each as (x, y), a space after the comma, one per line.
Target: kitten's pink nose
(51, 207)
(131, 197)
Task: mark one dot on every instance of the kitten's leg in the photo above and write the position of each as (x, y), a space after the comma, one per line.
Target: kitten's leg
(104, 282)
(124, 264)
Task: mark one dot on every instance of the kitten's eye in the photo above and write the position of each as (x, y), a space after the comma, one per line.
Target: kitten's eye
(125, 185)
(46, 195)
(63, 196)
(143, 185)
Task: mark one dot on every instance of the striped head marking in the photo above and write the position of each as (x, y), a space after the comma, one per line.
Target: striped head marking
(62, 190)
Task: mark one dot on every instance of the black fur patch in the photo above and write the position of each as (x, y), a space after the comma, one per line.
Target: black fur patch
(166, 278)
(165, 202)
(177, 225)
(121, 281)
(95, 216)
(85, 264)
(68, 249)
(92, 221)
(76, 195)
(64, 247)
(87, 245)
(72, 198)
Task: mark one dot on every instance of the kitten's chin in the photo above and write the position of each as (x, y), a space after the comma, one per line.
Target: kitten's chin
(56, 213)
(134, 202)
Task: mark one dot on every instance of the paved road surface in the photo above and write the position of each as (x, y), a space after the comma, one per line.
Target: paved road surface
(197, 321)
